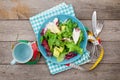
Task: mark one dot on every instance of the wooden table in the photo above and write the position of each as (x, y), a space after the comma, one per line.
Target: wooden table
(14, 25)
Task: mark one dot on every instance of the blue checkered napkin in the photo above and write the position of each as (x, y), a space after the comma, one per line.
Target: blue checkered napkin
(39, 19)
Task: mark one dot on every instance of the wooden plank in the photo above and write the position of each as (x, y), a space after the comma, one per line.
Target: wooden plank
(23, 9)
(111, 52)
(41, 72)
(21, 29)
(15, 30)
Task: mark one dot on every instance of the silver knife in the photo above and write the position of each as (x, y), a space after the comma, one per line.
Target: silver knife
(94, 28)
(94, 23)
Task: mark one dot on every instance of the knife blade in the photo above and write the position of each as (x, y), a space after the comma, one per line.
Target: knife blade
(94, 23)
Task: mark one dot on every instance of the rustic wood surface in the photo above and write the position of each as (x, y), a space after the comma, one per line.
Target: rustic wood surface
(14, 25)
(23, 9)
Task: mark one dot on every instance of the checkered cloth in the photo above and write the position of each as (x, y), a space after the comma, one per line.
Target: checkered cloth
(36, 22)
(39, 19)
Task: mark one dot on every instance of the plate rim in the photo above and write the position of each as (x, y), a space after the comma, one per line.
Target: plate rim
(72, 59)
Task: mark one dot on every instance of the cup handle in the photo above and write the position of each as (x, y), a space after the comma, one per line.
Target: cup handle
(13, 62)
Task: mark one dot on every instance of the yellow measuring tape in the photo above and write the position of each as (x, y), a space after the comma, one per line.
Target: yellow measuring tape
(99, 58)
(92, 40)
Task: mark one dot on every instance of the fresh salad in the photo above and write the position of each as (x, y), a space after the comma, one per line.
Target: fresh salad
(61, 39)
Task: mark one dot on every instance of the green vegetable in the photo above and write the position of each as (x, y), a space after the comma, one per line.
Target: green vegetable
(67, 28)
(80, 38)
(58, 43)
(41, 39)
(74, 48)
(61, 57)
(51, 37)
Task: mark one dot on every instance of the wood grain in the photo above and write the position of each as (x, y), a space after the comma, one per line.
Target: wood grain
(111, 53)
(14, 30)
(41, 72)
(14, 25)
(23, 9)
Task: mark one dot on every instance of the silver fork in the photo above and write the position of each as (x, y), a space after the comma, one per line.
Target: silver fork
(99, 28)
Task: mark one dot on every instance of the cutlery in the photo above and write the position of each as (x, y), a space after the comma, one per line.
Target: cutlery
(94, 23)
(97, 28)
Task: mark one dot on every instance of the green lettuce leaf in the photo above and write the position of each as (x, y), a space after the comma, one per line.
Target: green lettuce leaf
(61, 57)
(51, 38)
(69, 25)
(74, 48)
(80, 38)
